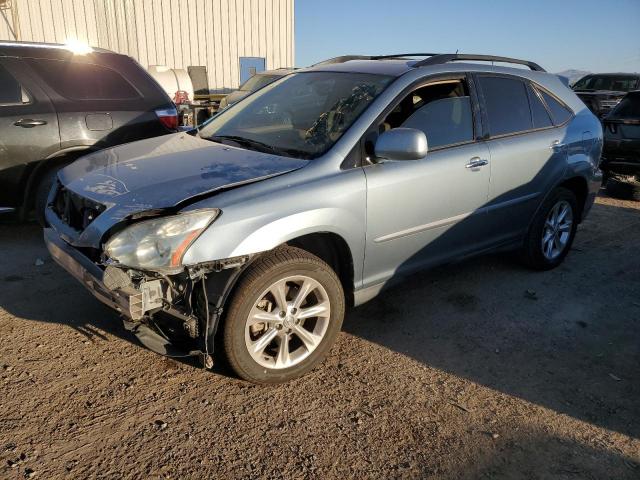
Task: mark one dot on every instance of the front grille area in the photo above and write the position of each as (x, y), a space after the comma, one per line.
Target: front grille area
(74, 210)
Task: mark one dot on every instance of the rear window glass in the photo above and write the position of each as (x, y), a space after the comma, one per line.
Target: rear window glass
(84, 81)
(10, 89)
(507, 105)
(629, 107)
(559, 112)
(622, 83)
(539, 112)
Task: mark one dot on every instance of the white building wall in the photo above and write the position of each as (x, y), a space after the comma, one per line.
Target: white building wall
(176, 33)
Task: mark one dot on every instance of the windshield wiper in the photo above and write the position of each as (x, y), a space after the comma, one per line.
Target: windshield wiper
(257, 145)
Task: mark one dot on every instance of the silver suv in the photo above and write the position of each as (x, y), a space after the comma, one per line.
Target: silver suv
(314, 194)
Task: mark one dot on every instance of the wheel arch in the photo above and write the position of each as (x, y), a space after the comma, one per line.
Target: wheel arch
(580, 188)
(55, 160)
(333, 250)
(328, 246)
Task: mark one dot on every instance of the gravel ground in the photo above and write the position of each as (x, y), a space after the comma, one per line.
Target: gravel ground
(478, 370)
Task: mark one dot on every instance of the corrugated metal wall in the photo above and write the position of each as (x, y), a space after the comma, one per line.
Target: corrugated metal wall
(176, 33)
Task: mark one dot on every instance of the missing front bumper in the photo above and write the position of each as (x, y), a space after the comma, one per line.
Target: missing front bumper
(85, 271)
(129, 305)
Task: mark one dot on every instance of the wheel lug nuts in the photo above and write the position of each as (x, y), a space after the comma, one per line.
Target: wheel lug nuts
(294, 311)
(282, 314)
(278, 327)
(297, 321)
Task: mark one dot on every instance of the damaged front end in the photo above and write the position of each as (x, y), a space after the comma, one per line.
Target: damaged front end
(174, 314)
(172, 308)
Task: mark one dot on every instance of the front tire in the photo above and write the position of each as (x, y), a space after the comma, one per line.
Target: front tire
(284, 316)
(552, 231)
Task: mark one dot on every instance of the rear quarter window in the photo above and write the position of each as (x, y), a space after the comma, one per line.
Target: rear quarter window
(84, 81)
(507, 105)
(539, 113)
(559, 112)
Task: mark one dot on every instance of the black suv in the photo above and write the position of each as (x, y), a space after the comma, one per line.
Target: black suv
(601, 92)
(621, 154)
(56, 105)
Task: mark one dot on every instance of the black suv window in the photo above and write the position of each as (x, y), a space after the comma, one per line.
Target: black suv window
(507, 105)
(559, 112)
(628, 108)
(539, 112)
(10, 89)
(622, 83)
(84, 81)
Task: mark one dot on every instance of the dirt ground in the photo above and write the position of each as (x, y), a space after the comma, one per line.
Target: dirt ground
(476, 370)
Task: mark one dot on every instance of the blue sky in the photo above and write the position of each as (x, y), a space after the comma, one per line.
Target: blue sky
(591, 35)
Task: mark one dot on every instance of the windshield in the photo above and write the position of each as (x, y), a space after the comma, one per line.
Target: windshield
(302, 115)
(257, 82)
(622, 83)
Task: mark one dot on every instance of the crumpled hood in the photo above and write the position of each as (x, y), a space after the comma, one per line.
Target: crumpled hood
(161, 172)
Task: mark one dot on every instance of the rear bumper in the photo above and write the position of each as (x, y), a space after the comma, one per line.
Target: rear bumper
(85, 271)
(621, 157)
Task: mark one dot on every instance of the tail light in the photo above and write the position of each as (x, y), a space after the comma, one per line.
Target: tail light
(168, 117)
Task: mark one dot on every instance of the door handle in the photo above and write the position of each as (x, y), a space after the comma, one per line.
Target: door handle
(29, 123)
(556, 146)
(476, 162)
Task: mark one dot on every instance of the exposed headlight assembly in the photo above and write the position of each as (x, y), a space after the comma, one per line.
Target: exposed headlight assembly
(159, 244)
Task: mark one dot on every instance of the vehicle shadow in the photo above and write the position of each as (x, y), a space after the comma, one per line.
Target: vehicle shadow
(545, 456)
(566, 339)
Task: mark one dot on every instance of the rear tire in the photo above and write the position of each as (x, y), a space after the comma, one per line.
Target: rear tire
(270, 333)
(552, 231)
(42, 194)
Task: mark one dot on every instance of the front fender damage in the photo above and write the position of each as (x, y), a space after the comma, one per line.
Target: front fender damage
(176, 315)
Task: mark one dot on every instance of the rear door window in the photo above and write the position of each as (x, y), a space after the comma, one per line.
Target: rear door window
(11, 92)
(507, 105)
(559, 112)
(539, 113)
(84, 81)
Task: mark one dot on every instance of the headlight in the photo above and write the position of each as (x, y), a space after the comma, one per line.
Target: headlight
(159, 244)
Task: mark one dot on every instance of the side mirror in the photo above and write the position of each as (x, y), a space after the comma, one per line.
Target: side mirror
(402, 144)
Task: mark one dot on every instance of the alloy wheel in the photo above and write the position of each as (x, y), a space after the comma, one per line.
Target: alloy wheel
(287, 322)
(557, 230)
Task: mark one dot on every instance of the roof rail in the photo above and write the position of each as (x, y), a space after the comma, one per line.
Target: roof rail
(453, 57)
(400, 55)
(346, 58)
(342, 59)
